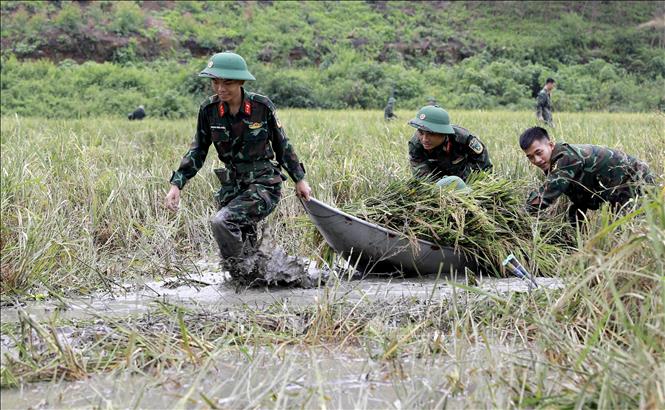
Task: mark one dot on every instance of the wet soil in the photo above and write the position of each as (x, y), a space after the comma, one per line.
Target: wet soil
(272, 375)
(294, 376)
(211, 286)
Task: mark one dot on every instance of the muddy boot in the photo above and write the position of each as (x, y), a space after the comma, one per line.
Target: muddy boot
(241, 272)
(247, 269)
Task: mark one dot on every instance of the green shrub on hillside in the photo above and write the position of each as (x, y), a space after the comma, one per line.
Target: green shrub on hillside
(171, 89)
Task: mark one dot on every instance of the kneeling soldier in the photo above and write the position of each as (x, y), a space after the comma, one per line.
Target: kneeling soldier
(588, 175)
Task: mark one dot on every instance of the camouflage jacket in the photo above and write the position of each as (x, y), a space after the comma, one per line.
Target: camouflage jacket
(388, 111)
(459, 155)
(246, 143)
(589, 175)
(544, 105)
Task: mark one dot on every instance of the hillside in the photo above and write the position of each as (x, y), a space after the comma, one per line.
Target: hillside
(495, 53)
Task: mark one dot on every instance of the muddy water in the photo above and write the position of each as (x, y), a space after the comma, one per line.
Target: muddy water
(292, 377)
(209, 286)
(276, 376)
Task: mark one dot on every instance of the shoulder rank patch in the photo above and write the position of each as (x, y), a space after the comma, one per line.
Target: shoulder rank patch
(475, 145)
(279, 124)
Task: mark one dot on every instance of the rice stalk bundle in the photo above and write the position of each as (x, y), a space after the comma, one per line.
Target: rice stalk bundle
(488, 223)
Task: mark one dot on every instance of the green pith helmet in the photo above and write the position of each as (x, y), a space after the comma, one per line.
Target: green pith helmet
(433, 119)
(227, 65)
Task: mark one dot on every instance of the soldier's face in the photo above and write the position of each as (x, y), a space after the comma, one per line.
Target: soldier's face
(430, 140)
(539, 153)
(227, 90)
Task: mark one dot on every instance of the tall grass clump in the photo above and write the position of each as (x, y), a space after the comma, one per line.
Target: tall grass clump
(608, 325)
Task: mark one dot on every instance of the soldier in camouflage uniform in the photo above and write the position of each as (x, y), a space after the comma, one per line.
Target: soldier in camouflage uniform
(588, 175)
(247, 135)
(137, 114)
(388, 112)
(544, 103)
(439, 149)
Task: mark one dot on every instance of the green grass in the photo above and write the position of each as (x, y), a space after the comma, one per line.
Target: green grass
(81, 210)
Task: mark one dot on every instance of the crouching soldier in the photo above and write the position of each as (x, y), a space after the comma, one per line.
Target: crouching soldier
(439, 149)
(247, 135)
(137, 114)
(588, 175)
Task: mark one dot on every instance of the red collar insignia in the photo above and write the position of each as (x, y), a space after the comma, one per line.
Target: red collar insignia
(222, 111)
(248, 107)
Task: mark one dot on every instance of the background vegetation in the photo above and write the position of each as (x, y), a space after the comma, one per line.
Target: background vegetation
(73, 59)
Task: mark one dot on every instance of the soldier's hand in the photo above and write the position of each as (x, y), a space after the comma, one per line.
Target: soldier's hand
(172, 200)
(303, 190)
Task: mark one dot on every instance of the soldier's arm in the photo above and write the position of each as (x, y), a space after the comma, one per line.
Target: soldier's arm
(193, 160)
(559, 179)
(284, 152)
(419, 165)
(478, 157)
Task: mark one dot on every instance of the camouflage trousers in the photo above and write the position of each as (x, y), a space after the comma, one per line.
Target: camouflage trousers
(240, 208)
(617, 196)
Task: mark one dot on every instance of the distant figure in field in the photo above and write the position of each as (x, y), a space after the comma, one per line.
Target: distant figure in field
(388, 113)
(588, 175)
(138, 114)
(544, 103)
(439, 149)
(431, 101)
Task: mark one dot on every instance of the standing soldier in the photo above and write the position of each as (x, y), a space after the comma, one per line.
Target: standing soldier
(439, 149)
(588, 175)
(388, 113)
(544, 103)
(247, 135)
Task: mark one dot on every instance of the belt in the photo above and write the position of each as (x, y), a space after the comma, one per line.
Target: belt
(247, 167)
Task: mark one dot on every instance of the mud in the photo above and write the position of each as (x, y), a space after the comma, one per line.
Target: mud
(269, 264)
(274, 375)
(210, 286)
(292, 377)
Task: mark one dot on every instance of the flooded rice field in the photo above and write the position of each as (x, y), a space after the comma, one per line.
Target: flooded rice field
(287, 377)
(208, 287)
(197, 341)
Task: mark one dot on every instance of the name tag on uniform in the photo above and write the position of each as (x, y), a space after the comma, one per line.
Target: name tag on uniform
(218, 128)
